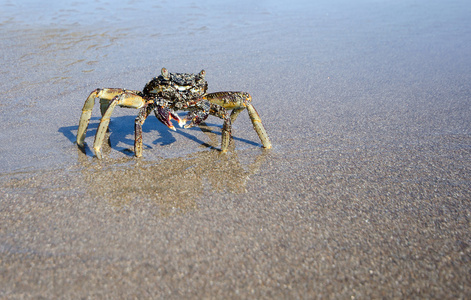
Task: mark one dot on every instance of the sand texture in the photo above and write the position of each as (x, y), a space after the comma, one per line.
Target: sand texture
(366, 192)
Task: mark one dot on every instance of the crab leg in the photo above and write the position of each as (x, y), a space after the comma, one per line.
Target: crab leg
(238, 101)
(235, 113)
(206, 108)
(105, 96)
(125, 99)
(226, 133)
(258, 126)
(220, 112)
(140, 119)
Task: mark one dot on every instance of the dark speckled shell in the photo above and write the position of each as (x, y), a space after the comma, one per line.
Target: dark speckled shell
(180, 87)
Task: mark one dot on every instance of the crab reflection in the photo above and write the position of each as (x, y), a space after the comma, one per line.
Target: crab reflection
(174, 184)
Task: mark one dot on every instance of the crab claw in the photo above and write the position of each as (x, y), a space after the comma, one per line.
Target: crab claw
(196, 118)
(166, 115)
(182, 123)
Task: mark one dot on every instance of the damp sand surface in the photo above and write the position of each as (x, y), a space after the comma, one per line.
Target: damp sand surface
(365, 193)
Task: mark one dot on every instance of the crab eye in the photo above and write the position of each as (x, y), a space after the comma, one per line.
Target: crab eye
(165, 74)
(202, 74)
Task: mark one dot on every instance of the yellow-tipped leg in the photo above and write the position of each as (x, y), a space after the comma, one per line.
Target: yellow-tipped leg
(220, 112)
(85, 117)
(125, 99)
(258, 126)
(237, 101)
(140, 119)
(105, 96)
(102, 128)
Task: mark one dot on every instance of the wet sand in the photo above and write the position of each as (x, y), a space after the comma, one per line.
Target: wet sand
(365, 194)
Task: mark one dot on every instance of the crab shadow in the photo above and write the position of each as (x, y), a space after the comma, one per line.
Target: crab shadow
(121, 131)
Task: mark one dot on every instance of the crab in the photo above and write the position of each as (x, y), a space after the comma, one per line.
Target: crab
(164, 95)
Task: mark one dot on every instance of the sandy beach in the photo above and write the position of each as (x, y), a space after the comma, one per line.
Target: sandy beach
(366, 192)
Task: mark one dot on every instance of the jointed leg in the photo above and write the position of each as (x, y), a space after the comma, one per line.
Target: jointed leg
(102, 128)
(206, 108)
(105, 96)
(226, 134)
(235, 112)
(238, 101)
(140, 119)
(108, 94)
(258, 126)
(220, 112)
(126, 99)
(85, 117)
